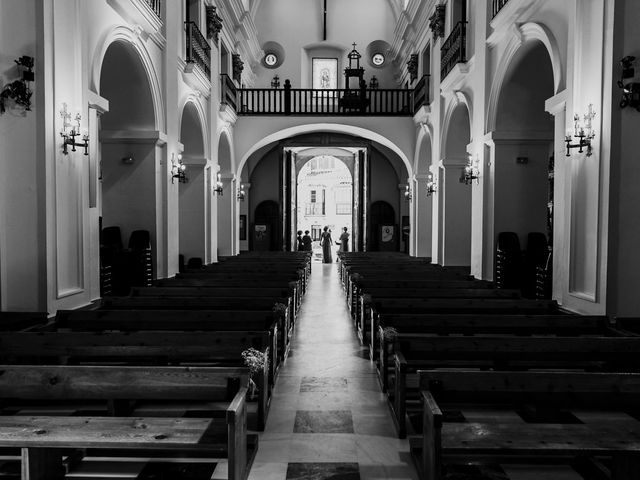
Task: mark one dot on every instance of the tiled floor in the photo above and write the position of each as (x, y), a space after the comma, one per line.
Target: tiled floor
(328, 418)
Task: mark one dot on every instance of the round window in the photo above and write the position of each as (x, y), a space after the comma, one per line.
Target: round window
(270, 59)
(378, 59)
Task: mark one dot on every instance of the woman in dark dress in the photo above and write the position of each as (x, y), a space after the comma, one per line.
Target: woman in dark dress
(327, 244)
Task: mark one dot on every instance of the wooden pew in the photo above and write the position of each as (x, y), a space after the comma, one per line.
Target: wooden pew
(598, 399)
(176, 321)
(363, 313)
(142, 348)
(560, 324)
(14, 321)
(218, 390)
(418, 352)
(381, 307)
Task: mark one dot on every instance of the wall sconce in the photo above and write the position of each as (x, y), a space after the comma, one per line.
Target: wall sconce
(373, 83)
(275, 83)
(19, 90)
(470, 172)
(408, 195)
(241, 193)
(431, 186)
(218, 188)
(69, 136)
(584, 133)
(178, 170)
(630, 89)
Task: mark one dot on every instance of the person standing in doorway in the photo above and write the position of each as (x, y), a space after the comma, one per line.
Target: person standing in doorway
(343, 241)
(306, 242)
(300, 246)
(327, 243)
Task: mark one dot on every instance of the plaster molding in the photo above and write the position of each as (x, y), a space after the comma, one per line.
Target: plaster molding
(557, 103)
(126, 34)
(194, 77)
(98, 103)
(456, 77)
(514, 12)
(134, 136)
(528, 32)
(227, 115)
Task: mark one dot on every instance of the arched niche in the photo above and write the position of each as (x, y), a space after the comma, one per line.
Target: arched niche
(192, 199)
(523, 147)
(128, 144)
(454, 206)
(226, 202)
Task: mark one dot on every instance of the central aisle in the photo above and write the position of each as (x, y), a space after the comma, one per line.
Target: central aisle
(328, 418)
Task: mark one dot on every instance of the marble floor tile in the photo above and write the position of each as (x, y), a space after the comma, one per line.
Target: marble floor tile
(323, 471)
(268, 471)
(329, 421)
(322, 447)
(323, 384)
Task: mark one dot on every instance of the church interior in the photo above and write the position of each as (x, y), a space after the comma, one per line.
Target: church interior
(319, 239)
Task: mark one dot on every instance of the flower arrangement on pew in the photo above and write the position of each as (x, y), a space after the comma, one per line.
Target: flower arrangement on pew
(257, 361)
(389, 334)
(280, 309)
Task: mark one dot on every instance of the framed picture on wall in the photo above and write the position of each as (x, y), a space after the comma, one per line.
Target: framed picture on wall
(243, 227)
(324, 73)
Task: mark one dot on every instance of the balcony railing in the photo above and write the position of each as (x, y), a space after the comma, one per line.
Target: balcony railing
(421, 93)
(497, 6)
(228, 91)
(308, 101)
(453, 50)
(198, 49)
(154, 5)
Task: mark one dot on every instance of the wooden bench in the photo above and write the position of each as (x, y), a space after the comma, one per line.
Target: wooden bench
(599, 400)
(488, 324)
(219, 394)
(418, 352)
(142, 348)
(176, 321)
(14, 321)
(363, 312)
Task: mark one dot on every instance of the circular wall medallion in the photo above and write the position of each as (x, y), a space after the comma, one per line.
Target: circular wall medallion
(270, 59)
(378, 59)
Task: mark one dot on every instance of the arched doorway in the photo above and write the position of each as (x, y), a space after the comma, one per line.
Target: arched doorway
(193, 203)
(324, 196)
(523, 155)
(454, 196)
(129, 182)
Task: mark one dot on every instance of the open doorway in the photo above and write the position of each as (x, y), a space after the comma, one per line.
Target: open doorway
(324, 198)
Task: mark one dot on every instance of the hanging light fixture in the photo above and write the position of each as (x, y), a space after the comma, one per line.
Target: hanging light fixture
(470, 172)
(583, 132)
(431, 185)
(178, 170)
(70, 132)
(275, 83)
(218, 188)
(241, 193)
(408, 194)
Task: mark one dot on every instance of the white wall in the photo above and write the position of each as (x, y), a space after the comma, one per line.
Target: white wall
(22, 240)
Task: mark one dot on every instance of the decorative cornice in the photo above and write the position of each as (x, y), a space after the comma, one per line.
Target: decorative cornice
(436, 22)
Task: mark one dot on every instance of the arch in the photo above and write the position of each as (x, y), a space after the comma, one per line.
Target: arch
(424, 150)
(325, 127)
(226, 152)
(453, 121)
(525, 34)
(193, 101)
(457, 100)
(126, 34)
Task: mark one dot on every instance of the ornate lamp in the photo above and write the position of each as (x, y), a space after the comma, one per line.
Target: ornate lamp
(70, 132)
(583, 132)
(408, 194)
(275, 83)
(431, 185)
(241, 193)
(470, 172)
(218, 187)
(178, 170)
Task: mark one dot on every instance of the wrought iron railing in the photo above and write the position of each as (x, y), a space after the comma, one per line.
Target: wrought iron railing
(308, 101)
(154, 5)
(453, 50)
(228, 91)
(497, 6)
(421, 93)
(198, 49)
